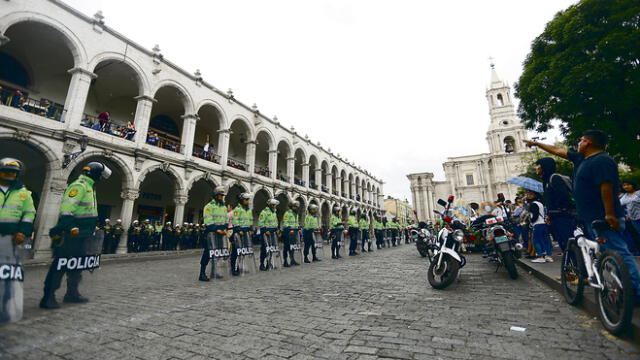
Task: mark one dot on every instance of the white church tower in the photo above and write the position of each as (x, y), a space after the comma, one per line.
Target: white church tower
(506, 132)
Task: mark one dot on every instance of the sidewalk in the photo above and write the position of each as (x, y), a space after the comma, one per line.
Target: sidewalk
(550, 272)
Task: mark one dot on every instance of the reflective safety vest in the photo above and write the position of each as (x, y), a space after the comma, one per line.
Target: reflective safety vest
(364, 224)
(352, 222)
(17, 212)
(268, 219)
(118, 229)
(377, 225)
(79, 207)
(311, 222)
(242, 218)
(290, 220)
(394, 225)
(158, 228)
(215, 215)
(336, 222)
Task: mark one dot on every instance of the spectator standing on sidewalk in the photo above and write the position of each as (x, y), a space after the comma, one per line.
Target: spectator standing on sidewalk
(540, 238)
(595, 182)
(630, 201)
(561, 209)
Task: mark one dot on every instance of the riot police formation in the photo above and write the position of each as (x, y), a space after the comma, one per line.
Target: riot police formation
(73, 237)
(354, 229)
(17, 214)
(290, 231)
(311, 227)
(215, 222)
(337, 229)
(241, 221)
(268, 225)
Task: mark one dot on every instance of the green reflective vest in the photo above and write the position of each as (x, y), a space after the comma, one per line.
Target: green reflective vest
(117, 229)
(336, 222)
(242, 218)
(352, 222)
(364, 224)
(311, 222)
(268, 219)
(290, 220)
(215, 215)
(393, 225)
(79, 207)
(17, 212)
(377, 225)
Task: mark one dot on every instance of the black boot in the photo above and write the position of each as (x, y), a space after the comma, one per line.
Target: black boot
(74, 297)
(203, 276)
(315, 259)
(306, 260)
(286, 264)
(262, 267)
(49, 301)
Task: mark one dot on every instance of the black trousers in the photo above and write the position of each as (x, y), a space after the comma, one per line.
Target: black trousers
(394, 236)
(365, 239)
(353, 240)
(309, 243)
(288, 240)
(54, 279)
(379, 238)
(335, 245)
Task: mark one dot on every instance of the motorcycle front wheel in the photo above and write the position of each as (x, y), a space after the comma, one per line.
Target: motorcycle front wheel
(615, 301)
(509, 264)
(444, 275)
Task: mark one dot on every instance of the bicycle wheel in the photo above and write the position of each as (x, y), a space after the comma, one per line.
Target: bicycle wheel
(571, 274)
(615, 301)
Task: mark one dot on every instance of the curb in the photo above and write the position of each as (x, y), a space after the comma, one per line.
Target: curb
(117, 258)
(588, 303)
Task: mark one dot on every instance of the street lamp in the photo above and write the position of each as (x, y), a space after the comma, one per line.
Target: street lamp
(68, 158)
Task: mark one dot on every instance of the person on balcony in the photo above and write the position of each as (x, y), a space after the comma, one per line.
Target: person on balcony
(129, 131)
(152, 138)
(104, 119)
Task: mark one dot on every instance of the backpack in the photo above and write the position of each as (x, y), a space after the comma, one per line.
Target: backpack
(565, 187)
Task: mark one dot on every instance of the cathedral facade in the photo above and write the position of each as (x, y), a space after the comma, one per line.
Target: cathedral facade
(479, 178)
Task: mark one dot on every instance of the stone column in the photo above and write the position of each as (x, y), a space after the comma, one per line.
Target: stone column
(305, 174)
(180, 200)
(129, 197)
(291, 163)
(223, 145)
(47, 215)
(77, 96)
(273, 163)
(250, 156)
(318, 177)
(188, 133)
(339, 185)
(142, 118)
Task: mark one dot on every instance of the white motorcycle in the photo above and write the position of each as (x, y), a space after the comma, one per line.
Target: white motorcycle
(447, 261)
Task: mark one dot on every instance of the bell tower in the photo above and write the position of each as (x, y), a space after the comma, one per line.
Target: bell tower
(506, 132)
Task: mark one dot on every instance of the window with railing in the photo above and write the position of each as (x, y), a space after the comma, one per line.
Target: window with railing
(164, 140)
(237, 164)
(262, 170)
(106, 126)
(21, 101)
(209, 155)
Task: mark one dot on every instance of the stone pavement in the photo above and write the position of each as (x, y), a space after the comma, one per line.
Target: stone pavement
(372, 306)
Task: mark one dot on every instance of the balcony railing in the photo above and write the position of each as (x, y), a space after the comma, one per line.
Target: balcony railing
(198, 151)
(262, 170)
(299, 182)
(126, 132)
(334, 192)
(283, 178)
(22, 101)
(313, 186)
(237, 164)
(325, 188)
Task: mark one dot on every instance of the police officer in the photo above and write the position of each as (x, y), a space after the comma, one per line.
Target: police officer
(16, 225)
(133, 236)
(311, 227)
(364, 228)
(242, 221)
(290, 226)
(157, 235)
(117, 232)
(75, 228)
(337, 227)
(147, 235)
(352, 222)
(177, 237)
(378, 231)
(394, 227)
(215, 222)
(268, 224)
(197, 235)
(106, 244)
(167, 236)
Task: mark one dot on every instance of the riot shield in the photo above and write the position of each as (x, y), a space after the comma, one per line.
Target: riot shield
(11, 279)
(296, 247)
(319, 245)
(245, 262)
(80, 253)
(219, 255)
(273, 252)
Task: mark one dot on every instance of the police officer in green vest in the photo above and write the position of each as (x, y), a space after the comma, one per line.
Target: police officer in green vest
(352, 222)
(147, 235)
(378, 231)
(117, 232)
(337, 228)
(16, 225)
(268, 224)
(311, 227)
(132, 237)
(157, 229)
(215, 222)
(364, 228)
(73, 233)
(290, 226)
(242, 221)
(394, 227)
(107, 229)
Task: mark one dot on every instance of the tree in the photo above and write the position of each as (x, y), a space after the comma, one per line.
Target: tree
(584, 70)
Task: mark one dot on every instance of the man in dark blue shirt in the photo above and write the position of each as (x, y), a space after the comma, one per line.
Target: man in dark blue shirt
(595, 180)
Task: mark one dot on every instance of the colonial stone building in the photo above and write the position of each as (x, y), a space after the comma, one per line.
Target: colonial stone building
(59, 70)
(479, 178)
(401, 209)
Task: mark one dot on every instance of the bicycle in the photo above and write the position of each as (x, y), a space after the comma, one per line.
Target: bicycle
(606, 272)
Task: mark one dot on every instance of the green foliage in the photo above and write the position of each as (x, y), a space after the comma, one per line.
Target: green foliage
(584, 70)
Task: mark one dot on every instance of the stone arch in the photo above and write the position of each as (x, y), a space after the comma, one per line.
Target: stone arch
(187, 101)
(202, 176)
(248, 124)
(73, 42)
(224, 121)
(127, 172)
(142, 79)
(269, 134)
(166, 168)
(259, 201)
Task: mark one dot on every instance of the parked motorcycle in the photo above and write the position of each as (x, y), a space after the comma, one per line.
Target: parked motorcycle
(447, 261)
(425, 240)
(501, 246)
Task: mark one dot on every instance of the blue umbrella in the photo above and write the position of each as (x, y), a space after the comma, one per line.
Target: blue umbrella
(527, 183)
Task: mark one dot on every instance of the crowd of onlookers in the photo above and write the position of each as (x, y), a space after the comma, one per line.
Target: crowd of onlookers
(104, 124)
(20, 100)
(236, 164)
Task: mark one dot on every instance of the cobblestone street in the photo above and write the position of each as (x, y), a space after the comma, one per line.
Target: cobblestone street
(372, 306)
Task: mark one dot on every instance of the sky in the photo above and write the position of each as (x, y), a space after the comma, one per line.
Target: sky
(394, 86)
